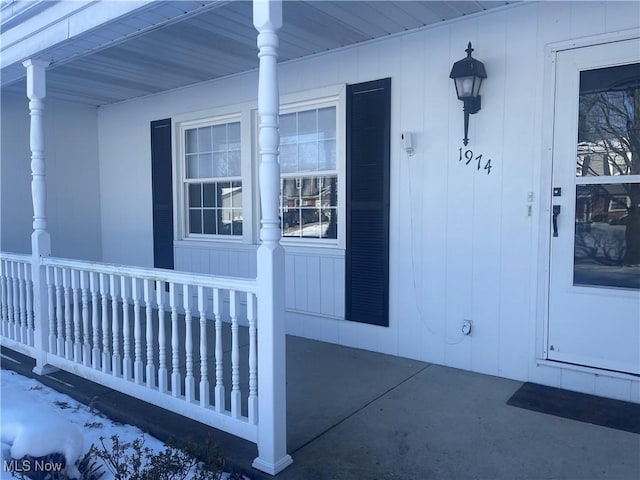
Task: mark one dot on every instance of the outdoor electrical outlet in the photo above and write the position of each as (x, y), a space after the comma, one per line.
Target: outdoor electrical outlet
(466, 327)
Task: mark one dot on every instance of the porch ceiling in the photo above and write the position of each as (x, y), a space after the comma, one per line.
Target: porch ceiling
(169, 44)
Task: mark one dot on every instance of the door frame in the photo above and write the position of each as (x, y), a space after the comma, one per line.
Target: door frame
(540, 265)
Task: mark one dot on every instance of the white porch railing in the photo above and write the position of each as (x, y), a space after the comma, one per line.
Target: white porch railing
(169, 338)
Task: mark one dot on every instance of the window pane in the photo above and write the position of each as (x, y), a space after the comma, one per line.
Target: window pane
(224, 221)
(608, 119)
(204, 139)
(234, 163)
(307, 127)
(224, 195)
(308, 157)
(233, 134)
(209, 194)
(220, 166)
(192, 166)
(289, 192)
(327, 155)
(288, 130)
(329, 191)
(220, 138)
(329, 223)
(327, 123)
(213, 208)
(205, 165)
(607, 235)
(209, 221)
(191, 140)
(288, 158)
(194, 195)
(309, 207)
(236, 198)
(291, 224)
(309, 191)
(237, 222)
(195, 221)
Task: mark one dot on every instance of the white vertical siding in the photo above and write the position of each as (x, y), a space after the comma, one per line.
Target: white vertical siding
(15, 176)
(71, 163)
(463, 245)
(225, 260)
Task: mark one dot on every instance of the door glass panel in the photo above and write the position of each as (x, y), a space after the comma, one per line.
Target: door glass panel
(607, 222)
(609, 122)
(607, 239)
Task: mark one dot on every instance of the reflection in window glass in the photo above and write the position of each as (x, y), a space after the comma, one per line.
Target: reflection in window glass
(309, 207)
(607, 236)
(308, 140)
(607, 230)
(309, 183)
(215, 208)
(608, 122)
(213, 184)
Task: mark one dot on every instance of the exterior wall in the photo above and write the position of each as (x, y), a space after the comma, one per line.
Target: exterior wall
(463, 243)
(71, 158)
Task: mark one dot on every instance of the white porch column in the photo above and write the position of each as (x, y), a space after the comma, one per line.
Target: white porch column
(40, 239)
(272, 402)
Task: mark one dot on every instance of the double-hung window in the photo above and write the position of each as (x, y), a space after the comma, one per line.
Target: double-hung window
(309, 173)
(212, 180)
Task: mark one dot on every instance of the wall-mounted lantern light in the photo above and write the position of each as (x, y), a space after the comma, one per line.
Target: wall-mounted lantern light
(468, 74)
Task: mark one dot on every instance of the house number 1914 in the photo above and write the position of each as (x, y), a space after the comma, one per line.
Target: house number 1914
(477, 160)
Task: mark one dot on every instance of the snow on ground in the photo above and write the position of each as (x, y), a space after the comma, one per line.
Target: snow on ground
(37, 421)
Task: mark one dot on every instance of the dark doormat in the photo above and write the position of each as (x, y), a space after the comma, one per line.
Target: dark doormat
(578, 406)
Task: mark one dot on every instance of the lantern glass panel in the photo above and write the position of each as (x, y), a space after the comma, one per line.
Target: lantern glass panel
(465, 86)
(476, 86)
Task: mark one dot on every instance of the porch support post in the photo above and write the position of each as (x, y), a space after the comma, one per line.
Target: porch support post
(272, 392)
(40, 239)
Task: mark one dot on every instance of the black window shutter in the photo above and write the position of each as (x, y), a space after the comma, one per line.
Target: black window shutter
(162, 193)
(367, 184)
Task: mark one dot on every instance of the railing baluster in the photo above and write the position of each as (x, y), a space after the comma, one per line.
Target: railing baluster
(22, 285)
(86, 339)
(189, 381)
(9, 297)
(235, 355)
(59, 311)
(4, 317)
(253, 365)
(16, 302)
(30, 324)
(162, 339)
(138, 365)
(68, 344)
(219, 388)
(106, 354)
(51, 295)
(126, 329)
(116, 363)
(204, 375)
(148, 300)
(175, 343)
(95, 353)
(77, 319)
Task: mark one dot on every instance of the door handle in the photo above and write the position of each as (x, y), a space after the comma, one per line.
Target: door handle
(556, 212)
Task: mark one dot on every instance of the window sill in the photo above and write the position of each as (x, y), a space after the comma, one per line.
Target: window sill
(208, 243)
(313, 249)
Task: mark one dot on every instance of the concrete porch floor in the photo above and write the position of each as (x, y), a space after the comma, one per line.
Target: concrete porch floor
(359, 415)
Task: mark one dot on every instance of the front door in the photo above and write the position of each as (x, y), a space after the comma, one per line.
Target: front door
(594, 288)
